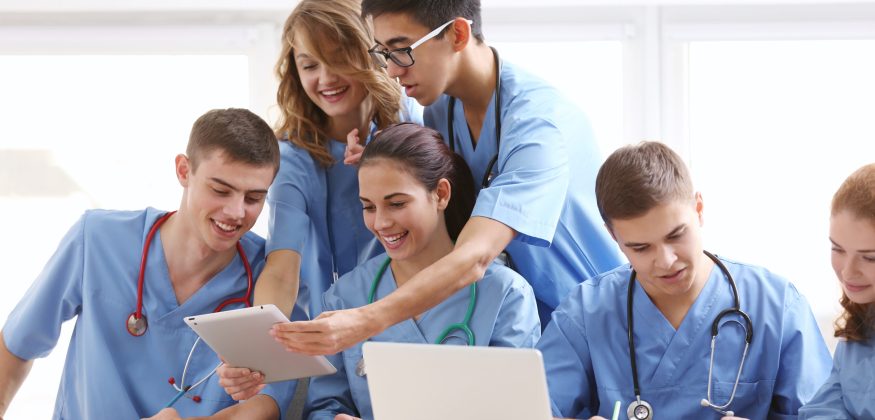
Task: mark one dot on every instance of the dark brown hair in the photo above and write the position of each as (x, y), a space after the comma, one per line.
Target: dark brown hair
(240, 134)
(636, 178)
(430, 13)
(422, 152)
(856, 195)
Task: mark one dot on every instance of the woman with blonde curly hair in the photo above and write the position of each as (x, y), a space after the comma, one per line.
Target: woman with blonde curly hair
(847, 394)
(329, 88)
(329, 91)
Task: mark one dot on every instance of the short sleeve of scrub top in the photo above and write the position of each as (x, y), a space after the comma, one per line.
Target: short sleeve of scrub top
(33, 328)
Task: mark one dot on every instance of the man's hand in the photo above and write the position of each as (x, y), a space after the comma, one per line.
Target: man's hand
(345, 417)
(330, 333)
(354, 148)
(168, 413)
(240, 383)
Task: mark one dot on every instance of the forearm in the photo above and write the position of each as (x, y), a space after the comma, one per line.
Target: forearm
(477, 246)
(278, 282)
(12, 373)
(258, 407)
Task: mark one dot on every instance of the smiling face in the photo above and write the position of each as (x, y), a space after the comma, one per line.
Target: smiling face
(664, 247)
(222, 198)
(404, 216)
(337, 95)
(853, 255)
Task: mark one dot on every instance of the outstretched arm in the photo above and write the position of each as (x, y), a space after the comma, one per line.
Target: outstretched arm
(480, 241)
(278, 282)
(12, 373)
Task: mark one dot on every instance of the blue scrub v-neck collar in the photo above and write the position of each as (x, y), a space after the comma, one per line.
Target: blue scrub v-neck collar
(675, 345)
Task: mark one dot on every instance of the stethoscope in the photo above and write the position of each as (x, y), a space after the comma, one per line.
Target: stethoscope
(137, 323)
(487, 176)
(464, 326)
(642, 410)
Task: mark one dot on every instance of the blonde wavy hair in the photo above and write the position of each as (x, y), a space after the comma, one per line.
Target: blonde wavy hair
(329, 25)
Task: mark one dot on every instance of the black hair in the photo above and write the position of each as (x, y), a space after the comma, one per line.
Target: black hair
(430, 13)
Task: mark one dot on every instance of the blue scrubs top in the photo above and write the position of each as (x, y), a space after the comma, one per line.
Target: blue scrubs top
(849, 393)
(505, 315)
(586, 352)
(108, 372)
(544, 183)
(316, 212)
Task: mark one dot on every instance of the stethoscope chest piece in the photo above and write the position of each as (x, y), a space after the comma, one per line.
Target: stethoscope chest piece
(639, 410)
(137, 326)
(360, 368)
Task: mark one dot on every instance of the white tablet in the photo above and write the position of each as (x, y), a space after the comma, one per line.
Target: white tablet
(241, 337)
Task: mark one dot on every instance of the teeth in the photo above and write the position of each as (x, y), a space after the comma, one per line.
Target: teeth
(394, 238)
(225, 227)
(334, 91)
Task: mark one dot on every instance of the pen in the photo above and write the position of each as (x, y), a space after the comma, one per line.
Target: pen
(616, 411)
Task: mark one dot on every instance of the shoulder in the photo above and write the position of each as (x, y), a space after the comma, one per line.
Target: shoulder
(759, 284)
(500, 276)
(599, 291)
(118, 223)
(253, 245)
(296, 165)
(531, 103)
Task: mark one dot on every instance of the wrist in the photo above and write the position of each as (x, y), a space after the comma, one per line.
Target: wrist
(376, 318)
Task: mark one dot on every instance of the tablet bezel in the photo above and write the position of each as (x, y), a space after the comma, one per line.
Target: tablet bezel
(241, 337)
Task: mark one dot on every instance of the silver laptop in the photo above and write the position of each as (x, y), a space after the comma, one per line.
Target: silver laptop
(441, 382)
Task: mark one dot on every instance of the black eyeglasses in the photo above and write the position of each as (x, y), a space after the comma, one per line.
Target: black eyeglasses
(403, 57)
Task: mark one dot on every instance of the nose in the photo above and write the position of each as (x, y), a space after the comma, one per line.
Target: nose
(382, 220)
(850, 268)
(395, 70)
(327, 76)
(235, 207)
(665, 257)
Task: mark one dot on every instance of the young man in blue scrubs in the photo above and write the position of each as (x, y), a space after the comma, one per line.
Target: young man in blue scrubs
(526, 203)
(672, 298)
(122, 353)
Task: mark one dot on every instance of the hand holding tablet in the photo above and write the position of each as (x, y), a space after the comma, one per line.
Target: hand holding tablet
(242, 339)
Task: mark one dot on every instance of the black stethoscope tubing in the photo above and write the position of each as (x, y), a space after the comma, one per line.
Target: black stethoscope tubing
(487, 176)
(714, 329)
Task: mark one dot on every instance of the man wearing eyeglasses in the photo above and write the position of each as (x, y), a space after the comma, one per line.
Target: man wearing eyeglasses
(530, 149)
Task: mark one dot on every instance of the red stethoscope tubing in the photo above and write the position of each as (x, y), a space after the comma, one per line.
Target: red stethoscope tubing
(142, 276)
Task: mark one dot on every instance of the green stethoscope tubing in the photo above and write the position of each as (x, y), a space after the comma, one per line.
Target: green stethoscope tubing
(463, 326)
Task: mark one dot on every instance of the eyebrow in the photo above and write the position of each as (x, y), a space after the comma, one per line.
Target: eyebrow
(862, 251)
(226, 184)
(391, 42)
(672, 233)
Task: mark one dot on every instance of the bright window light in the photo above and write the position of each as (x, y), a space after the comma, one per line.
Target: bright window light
(590, 73)
(775, 127)
(81, 132)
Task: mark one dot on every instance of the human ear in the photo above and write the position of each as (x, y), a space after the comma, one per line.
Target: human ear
(700, 207)
(460, 33)
(183, 169)
(443, 192)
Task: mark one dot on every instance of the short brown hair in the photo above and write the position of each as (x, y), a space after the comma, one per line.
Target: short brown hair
(636, 178)
(856, 195)
(240, 134)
